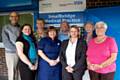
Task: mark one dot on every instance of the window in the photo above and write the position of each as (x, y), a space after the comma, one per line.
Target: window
(26, 17)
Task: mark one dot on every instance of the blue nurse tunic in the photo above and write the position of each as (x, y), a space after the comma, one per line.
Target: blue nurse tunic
(51, 50)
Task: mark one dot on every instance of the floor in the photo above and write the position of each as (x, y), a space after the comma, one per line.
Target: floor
(85, 77)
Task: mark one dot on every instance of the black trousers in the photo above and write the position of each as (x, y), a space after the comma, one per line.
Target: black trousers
(99, 76)
(77, 75)
(25, 72)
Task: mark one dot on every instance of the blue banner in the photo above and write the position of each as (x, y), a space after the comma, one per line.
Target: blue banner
(57, 18)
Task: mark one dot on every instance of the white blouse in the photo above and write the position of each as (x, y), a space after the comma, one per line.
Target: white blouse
(70, 53)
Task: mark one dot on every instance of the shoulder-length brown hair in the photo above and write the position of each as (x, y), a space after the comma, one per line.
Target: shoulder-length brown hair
(52, 28)
(31, 35)
(76, 27)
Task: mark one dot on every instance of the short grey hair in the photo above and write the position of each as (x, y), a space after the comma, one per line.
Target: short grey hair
(103, 23)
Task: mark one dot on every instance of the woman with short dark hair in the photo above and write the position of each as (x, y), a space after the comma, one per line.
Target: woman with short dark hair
(49, 67)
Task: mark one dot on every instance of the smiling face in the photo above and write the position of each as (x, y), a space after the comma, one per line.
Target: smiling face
(100, 29)
(64, 26)
(26, 30)
(14, 18)
(52, 34)
(89, 27)
(40, 24)
(74, 32)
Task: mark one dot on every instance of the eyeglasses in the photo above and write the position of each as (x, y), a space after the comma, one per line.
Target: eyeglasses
(13, 16)
(99, 28)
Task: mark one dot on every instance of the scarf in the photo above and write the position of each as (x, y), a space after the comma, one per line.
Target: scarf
(32, 54)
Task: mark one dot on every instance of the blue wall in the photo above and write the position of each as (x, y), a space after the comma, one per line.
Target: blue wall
(19, 5)
(111, 16)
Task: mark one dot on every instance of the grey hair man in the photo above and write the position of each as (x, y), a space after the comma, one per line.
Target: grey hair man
(10, 33)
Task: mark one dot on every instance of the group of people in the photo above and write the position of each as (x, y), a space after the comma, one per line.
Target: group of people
(64, 55)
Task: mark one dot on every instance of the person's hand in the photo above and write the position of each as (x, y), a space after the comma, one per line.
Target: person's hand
(36, 66)
(57, 60)
(88, 65)
(97, 66)
(52, 62)
(91, 66)
(94, 66)
(69, 69)
(31, 67)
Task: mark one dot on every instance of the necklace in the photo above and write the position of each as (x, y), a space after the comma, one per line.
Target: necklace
(100, 40)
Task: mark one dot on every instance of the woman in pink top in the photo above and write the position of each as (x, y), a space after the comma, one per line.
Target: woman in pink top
(101, 54)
